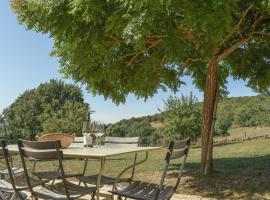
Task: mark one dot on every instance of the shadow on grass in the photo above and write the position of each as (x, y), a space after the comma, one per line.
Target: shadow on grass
(234, 178)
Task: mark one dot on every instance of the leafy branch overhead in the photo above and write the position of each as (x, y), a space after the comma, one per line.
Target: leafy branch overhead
(119, 47)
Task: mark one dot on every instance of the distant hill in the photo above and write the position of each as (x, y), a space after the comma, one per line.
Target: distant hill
(236, 104)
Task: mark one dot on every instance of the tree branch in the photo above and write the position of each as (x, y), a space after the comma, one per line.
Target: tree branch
(191, 36)
(237, 26)
(242, 19)
(232, 48)
(259, 20)
(143, 51)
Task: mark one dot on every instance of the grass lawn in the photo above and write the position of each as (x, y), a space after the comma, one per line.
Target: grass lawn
(242, 170)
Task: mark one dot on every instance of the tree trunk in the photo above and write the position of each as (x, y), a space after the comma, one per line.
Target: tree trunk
(209, 111)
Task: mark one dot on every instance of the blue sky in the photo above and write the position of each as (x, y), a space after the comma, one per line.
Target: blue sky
(25, 63)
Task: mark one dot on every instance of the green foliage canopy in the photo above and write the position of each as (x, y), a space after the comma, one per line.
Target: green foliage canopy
(51, 107)
(119, 47)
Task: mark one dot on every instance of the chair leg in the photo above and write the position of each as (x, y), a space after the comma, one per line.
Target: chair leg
(12, 196)
(34, 197)
(2, 176)
(119, 198)
(93, 196)
(20, 196)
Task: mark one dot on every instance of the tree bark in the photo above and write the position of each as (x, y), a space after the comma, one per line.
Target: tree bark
(209, 111)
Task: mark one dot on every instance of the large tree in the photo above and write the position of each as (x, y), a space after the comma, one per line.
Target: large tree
(119, 47)
(51, 107)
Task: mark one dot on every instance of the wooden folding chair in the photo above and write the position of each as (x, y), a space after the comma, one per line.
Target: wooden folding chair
(150, 191)
(48, 174)
(13, 188)
(4, 171)
(50, 151)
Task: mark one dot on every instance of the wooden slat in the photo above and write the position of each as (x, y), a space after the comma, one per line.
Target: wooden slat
(15, 170)
(137, 189)
(133, 185)
(178, 153)
(77, 189)
(180, 144)
(151, 187)
(50, 175)
(122, 140)
(41, 155)
(120, 145)
(49, 193)
(5, 185)
(147, 191)
(166, 193)
(40, 144)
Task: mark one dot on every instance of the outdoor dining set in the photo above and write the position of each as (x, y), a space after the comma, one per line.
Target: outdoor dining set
(23, 182)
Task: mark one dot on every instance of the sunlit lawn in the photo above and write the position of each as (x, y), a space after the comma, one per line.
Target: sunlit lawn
(242, 170)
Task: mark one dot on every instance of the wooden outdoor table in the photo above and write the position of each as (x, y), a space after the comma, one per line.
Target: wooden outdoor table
(99, 153)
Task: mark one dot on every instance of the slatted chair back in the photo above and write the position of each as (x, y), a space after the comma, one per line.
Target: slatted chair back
(2, 159)
(177, 149)
(42, 151)
(6, 156)
(121, 141)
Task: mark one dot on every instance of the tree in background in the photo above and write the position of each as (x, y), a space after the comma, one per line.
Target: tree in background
(247, 116)
(182, 117)
(142, 129)
(224, 121)
(67, 119)
(52, 106)
(121, 47)
(133, 127)
(3, 129)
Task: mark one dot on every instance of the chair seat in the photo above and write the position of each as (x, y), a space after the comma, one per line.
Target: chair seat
(145, 191)
(6, 195)
(57, 191)
(21, 184)
(51, 175)
(15, 170)
(105, 180)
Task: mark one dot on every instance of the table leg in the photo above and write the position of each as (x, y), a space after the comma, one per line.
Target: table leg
(102, 161)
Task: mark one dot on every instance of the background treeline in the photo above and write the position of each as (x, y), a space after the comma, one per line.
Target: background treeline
(181, 117)
(59, 107)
